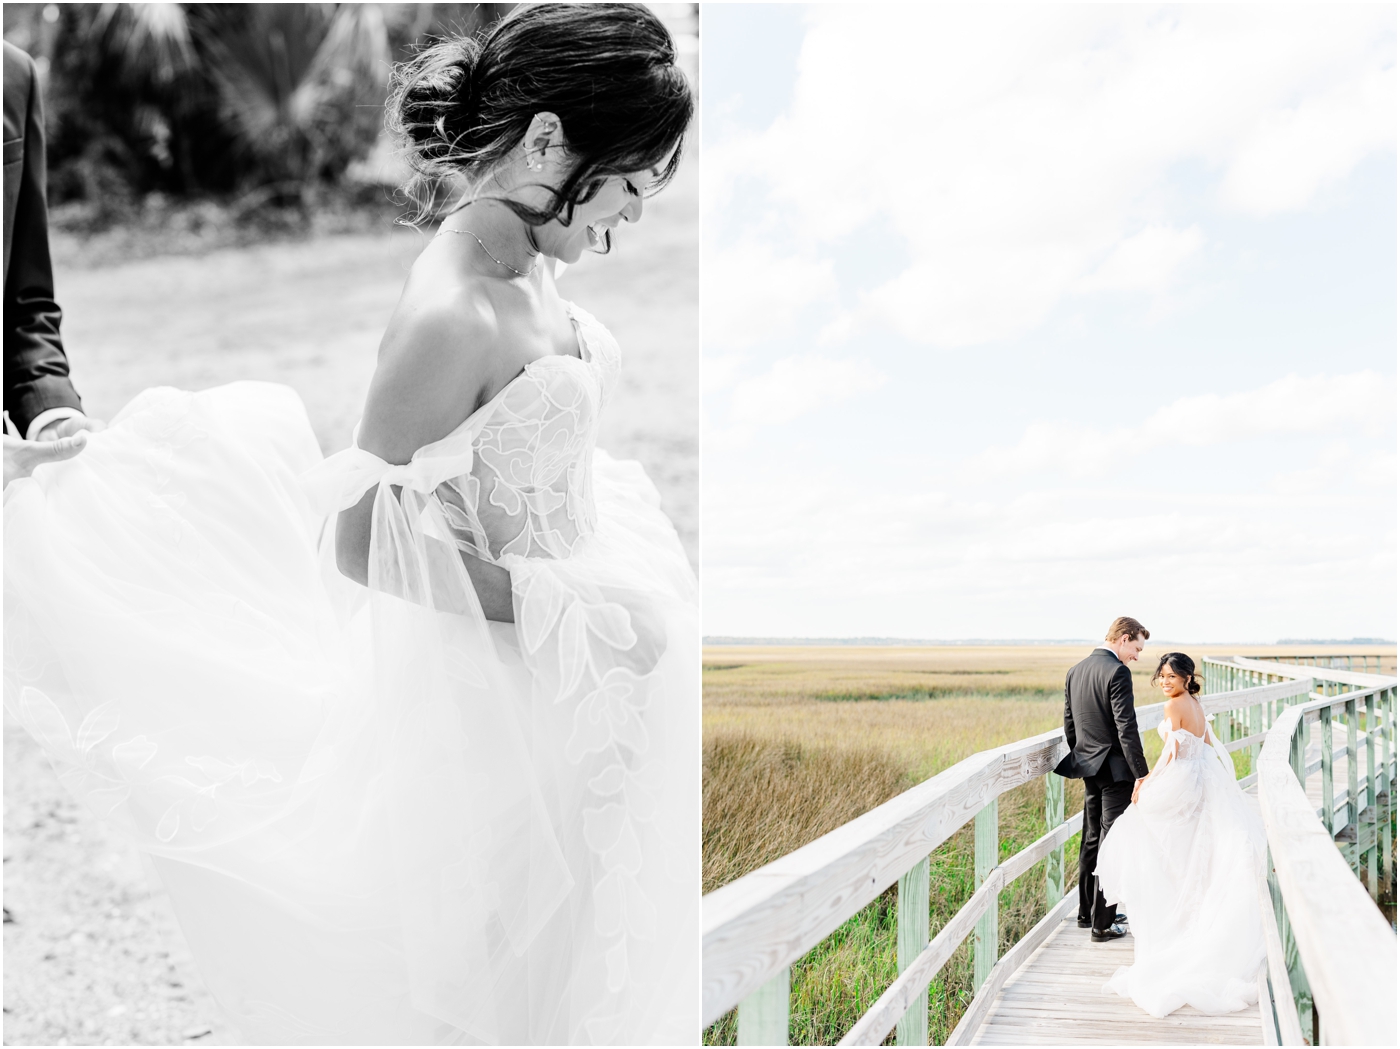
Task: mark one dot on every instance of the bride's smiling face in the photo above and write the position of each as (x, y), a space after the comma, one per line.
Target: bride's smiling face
(618, 199)
(1170, 682)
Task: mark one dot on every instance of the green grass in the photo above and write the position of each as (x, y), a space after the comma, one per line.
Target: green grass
(836, 982)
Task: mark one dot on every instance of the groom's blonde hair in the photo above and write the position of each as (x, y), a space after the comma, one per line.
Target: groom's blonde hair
(1126, 625)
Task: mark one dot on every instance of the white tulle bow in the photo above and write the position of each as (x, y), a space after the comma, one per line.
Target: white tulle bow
(338, 482)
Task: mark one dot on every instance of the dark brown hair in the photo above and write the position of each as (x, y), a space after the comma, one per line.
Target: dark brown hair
(1126, 625)
(1183, 666)
(607, 71)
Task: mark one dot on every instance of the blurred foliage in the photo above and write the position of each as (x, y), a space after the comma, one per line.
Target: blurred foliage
(254, 104)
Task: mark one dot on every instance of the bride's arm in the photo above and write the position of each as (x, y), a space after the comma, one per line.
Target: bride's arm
(1171, 713)
(1165, 759)
(428, 379)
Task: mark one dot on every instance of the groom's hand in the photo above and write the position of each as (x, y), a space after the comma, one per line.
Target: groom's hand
(22, 457)
(1137, 787)
(74, 424)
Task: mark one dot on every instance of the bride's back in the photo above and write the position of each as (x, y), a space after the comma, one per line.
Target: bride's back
(1184, 712)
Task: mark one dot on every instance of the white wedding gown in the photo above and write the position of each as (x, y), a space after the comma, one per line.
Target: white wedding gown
(381, 818)
(1184, 862)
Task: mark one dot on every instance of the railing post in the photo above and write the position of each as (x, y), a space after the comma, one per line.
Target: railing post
(763, 1015)
(912, 939)
(1297, 978)
(985, 856)
(1256, 726)
(1372, 799)
(1353, 806)
(1055, 862)
(1387, 786)
(1328, 791)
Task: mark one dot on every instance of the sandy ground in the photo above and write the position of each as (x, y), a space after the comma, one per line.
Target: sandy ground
(92, 956)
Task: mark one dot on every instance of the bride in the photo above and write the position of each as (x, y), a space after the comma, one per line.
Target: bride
(408, 733)
(1183, 860)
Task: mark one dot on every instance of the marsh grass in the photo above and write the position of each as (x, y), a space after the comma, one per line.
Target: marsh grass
(843, 976)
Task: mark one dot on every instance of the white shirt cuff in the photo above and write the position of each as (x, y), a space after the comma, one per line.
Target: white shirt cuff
(52, 415)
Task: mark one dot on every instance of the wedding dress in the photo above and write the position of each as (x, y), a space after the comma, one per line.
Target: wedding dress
(380, 817)
(1183, 862)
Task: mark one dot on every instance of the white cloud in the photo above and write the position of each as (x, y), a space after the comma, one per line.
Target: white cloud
(761, 291)
(1294, 153)
(794, 386)
(1146, 261)
(1362, 403)
(1030, 152)
(809, 553)
(719, 371)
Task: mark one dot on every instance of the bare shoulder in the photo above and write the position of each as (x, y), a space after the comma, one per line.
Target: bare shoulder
(434, 363)
(1176, 710)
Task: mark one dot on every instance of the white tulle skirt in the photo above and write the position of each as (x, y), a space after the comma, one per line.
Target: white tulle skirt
(1183, 863)
(379, 823)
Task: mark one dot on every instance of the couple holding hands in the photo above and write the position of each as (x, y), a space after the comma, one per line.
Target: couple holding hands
(43, 413)
(1181, 847)
(408, 733)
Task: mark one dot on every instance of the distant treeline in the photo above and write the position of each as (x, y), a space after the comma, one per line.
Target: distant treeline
(273, 100)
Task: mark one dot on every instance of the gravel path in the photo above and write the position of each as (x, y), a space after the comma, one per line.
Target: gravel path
(93, 957)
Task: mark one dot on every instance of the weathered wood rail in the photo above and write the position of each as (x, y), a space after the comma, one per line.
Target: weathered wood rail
(756, 927)
(1331, 954)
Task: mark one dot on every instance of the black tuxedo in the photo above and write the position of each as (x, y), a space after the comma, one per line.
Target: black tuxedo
(36, 368)
(1105, 751)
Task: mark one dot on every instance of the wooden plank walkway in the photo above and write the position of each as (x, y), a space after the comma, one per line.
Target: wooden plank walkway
(1057, 998)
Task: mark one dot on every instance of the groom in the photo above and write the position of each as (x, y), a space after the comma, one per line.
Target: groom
(1106, 753)
(43, 414)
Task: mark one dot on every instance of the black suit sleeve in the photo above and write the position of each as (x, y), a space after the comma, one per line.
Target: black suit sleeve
(1069, 718)
(36, 368)
(1120, 698)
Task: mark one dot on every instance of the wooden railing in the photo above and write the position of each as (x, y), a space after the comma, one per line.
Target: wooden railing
(1366, 662)
(756, 927)
(1331, 954)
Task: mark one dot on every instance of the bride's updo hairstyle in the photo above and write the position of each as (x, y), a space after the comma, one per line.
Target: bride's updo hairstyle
(1183, 666)
(607, 71)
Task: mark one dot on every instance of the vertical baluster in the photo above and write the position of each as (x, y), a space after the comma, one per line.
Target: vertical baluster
(1372, 799)
(1256, 726)
(763, 1015)
(1353, 808)
(913, 938)
(1325, 735)
(985, 847)
(1387, 786)
(1297, 979)
(1055, 862)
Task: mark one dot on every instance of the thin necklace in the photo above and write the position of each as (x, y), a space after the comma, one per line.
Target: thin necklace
(498, 262)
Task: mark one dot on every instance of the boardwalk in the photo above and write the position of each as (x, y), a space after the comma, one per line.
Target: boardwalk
(1330, 952)
(1057, 995)
(1057, 998)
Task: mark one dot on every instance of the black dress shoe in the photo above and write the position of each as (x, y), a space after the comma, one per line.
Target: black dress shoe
(1113, 932)
(1118, 919)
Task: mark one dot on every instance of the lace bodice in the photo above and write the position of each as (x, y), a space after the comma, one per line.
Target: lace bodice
(514, 478)
(1189, 746)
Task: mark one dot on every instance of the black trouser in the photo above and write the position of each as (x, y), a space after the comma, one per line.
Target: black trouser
(1104, 801)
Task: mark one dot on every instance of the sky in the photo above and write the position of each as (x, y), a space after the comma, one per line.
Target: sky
(1017, 319)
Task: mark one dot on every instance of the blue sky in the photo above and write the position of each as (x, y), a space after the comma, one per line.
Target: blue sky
(1018, 319)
